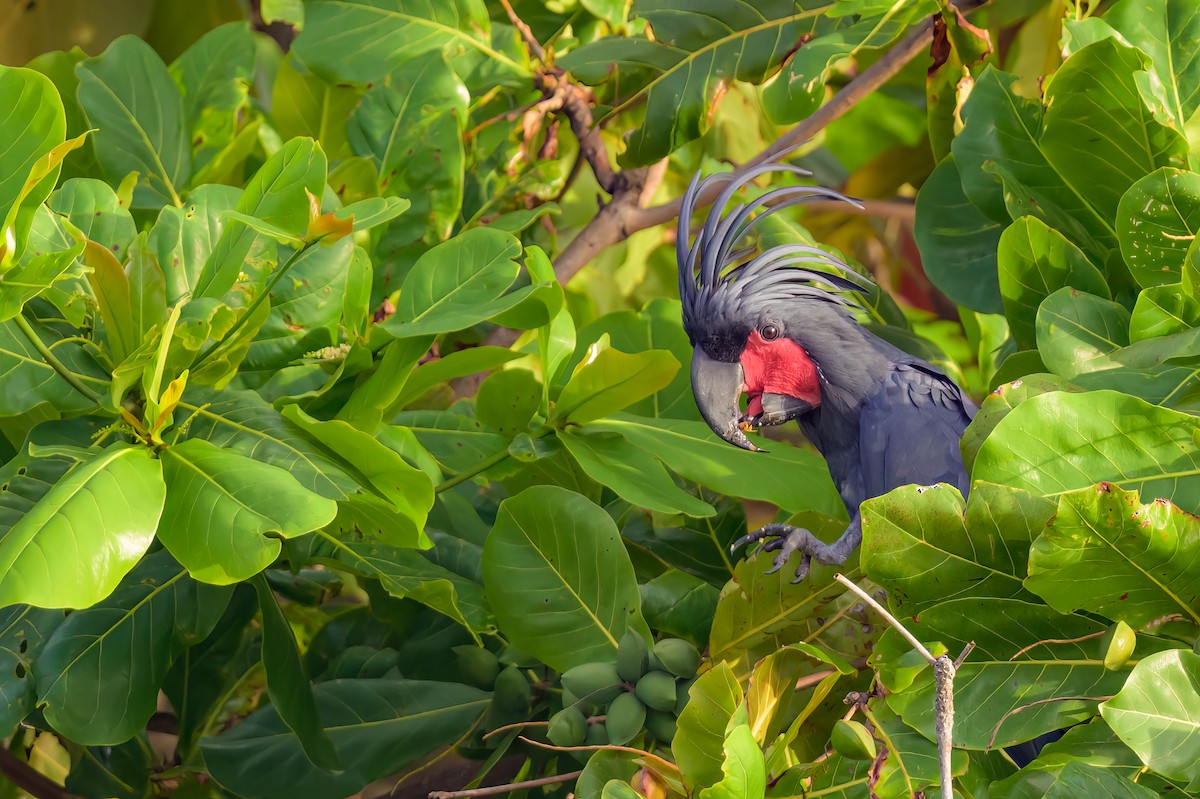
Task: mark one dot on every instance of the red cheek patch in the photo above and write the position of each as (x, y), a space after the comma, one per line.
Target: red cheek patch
(778, 367)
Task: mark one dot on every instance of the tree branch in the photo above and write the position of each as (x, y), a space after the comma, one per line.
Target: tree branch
(52, 360)
(492, 790)
(624, 216)
(29, 780)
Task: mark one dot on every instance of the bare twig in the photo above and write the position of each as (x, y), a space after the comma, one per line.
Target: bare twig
(1016, 710)
(531, 41)
(943, 678)
(29, 780)
(493, 790)
(1045, 641)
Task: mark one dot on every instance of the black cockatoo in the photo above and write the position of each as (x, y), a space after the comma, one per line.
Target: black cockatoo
(777, 326)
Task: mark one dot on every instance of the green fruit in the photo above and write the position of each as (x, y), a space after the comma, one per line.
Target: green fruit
(626, 717)
(678, 657)
(1117, 646)
(567, 728)
(661, 725)
(852, 741)
(657, 690)
(512, 690)
(681, 694)
(477, 666)
(594, 683)
(633, 656)
(597, 735)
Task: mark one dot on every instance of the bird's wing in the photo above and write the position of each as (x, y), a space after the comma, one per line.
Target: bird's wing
(909, 431)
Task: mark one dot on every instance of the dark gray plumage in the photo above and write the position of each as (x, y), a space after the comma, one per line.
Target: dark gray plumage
(779, 327)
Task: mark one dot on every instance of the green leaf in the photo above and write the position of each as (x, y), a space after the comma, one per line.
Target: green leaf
(405, 489)
(507, 400)
(1162, 311)
(23, 634)
(128, 94)
(1107, 553)
(608, 380)
(377, 727)
(1157, 220)
(214, 74)
(93, 207)
(452, 365)
(635, 475)
(33, 125)
(786, 476)
(362, 40)
(925, 547)
(72, 548)
(183, 238)
(1169, 33)
(1059, 442)
(289, 11)
(578, 588)
(32, 278)
(1095, 97)
(679, 604)
(699, 744)
(245, 423)
(687, 59)
(458, 442)
(412, 127)
(744, 772)
(304, 104)
(278, 195)
(1013, 695)
(101, 671)
(30, 382)
(1157, 714)
(957, 241)
(224, 512)
(407, 574)
(1080, 779)
(1034, 262)
(457, 284)
(291, 693)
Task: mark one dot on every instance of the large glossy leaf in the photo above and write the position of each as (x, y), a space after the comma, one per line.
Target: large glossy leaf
(1060, 442)
(128, 94)
(692, 52)
(957, 241)
(1156, 220)
(457, 284)
(94, 207)
(244, 422)
(612, 461)
(34, 276)
(406, 573)
(1107, 553)
(304, 104)
(225, 512)
(214, 74)
(183, 238)
(999, 690)
(699, 744)
(608, 380)
(458, 442)
(578, 592)
(288, 684)
(29, 381)
(698, 546)
(23, 633)
(1002, 143)
(1079, 779)
(72, 548)
(411, 126)
(101, 670)
(1169, 33)
(361, 40)
(278, 195)
(33, 124)
(1157, 713)
(1035, 261)
(786, 476)
(1095, 95)
(377, 727)
(925, 547)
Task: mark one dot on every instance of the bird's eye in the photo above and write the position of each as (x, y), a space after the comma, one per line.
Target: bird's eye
(769, 332)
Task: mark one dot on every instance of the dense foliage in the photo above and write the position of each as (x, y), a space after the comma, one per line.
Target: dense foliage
(266, 532)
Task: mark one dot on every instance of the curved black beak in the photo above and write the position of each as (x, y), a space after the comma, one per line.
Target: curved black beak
(718, 387)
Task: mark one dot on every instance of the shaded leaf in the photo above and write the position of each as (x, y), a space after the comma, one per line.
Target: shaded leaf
(699, 743)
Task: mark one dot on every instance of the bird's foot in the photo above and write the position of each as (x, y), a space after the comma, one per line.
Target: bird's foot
(787, 540)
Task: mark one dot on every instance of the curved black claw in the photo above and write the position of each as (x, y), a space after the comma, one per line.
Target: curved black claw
(789, 540)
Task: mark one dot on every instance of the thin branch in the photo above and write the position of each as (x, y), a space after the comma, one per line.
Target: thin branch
(1045, 641)
(493, 790)
(888, 617)
(28, 779)
(74, 380)
(943, 678)
(1016, 710)
(478, 468)
(531, 41)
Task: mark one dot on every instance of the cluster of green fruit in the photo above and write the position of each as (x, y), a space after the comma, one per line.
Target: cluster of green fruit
(644, 689)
